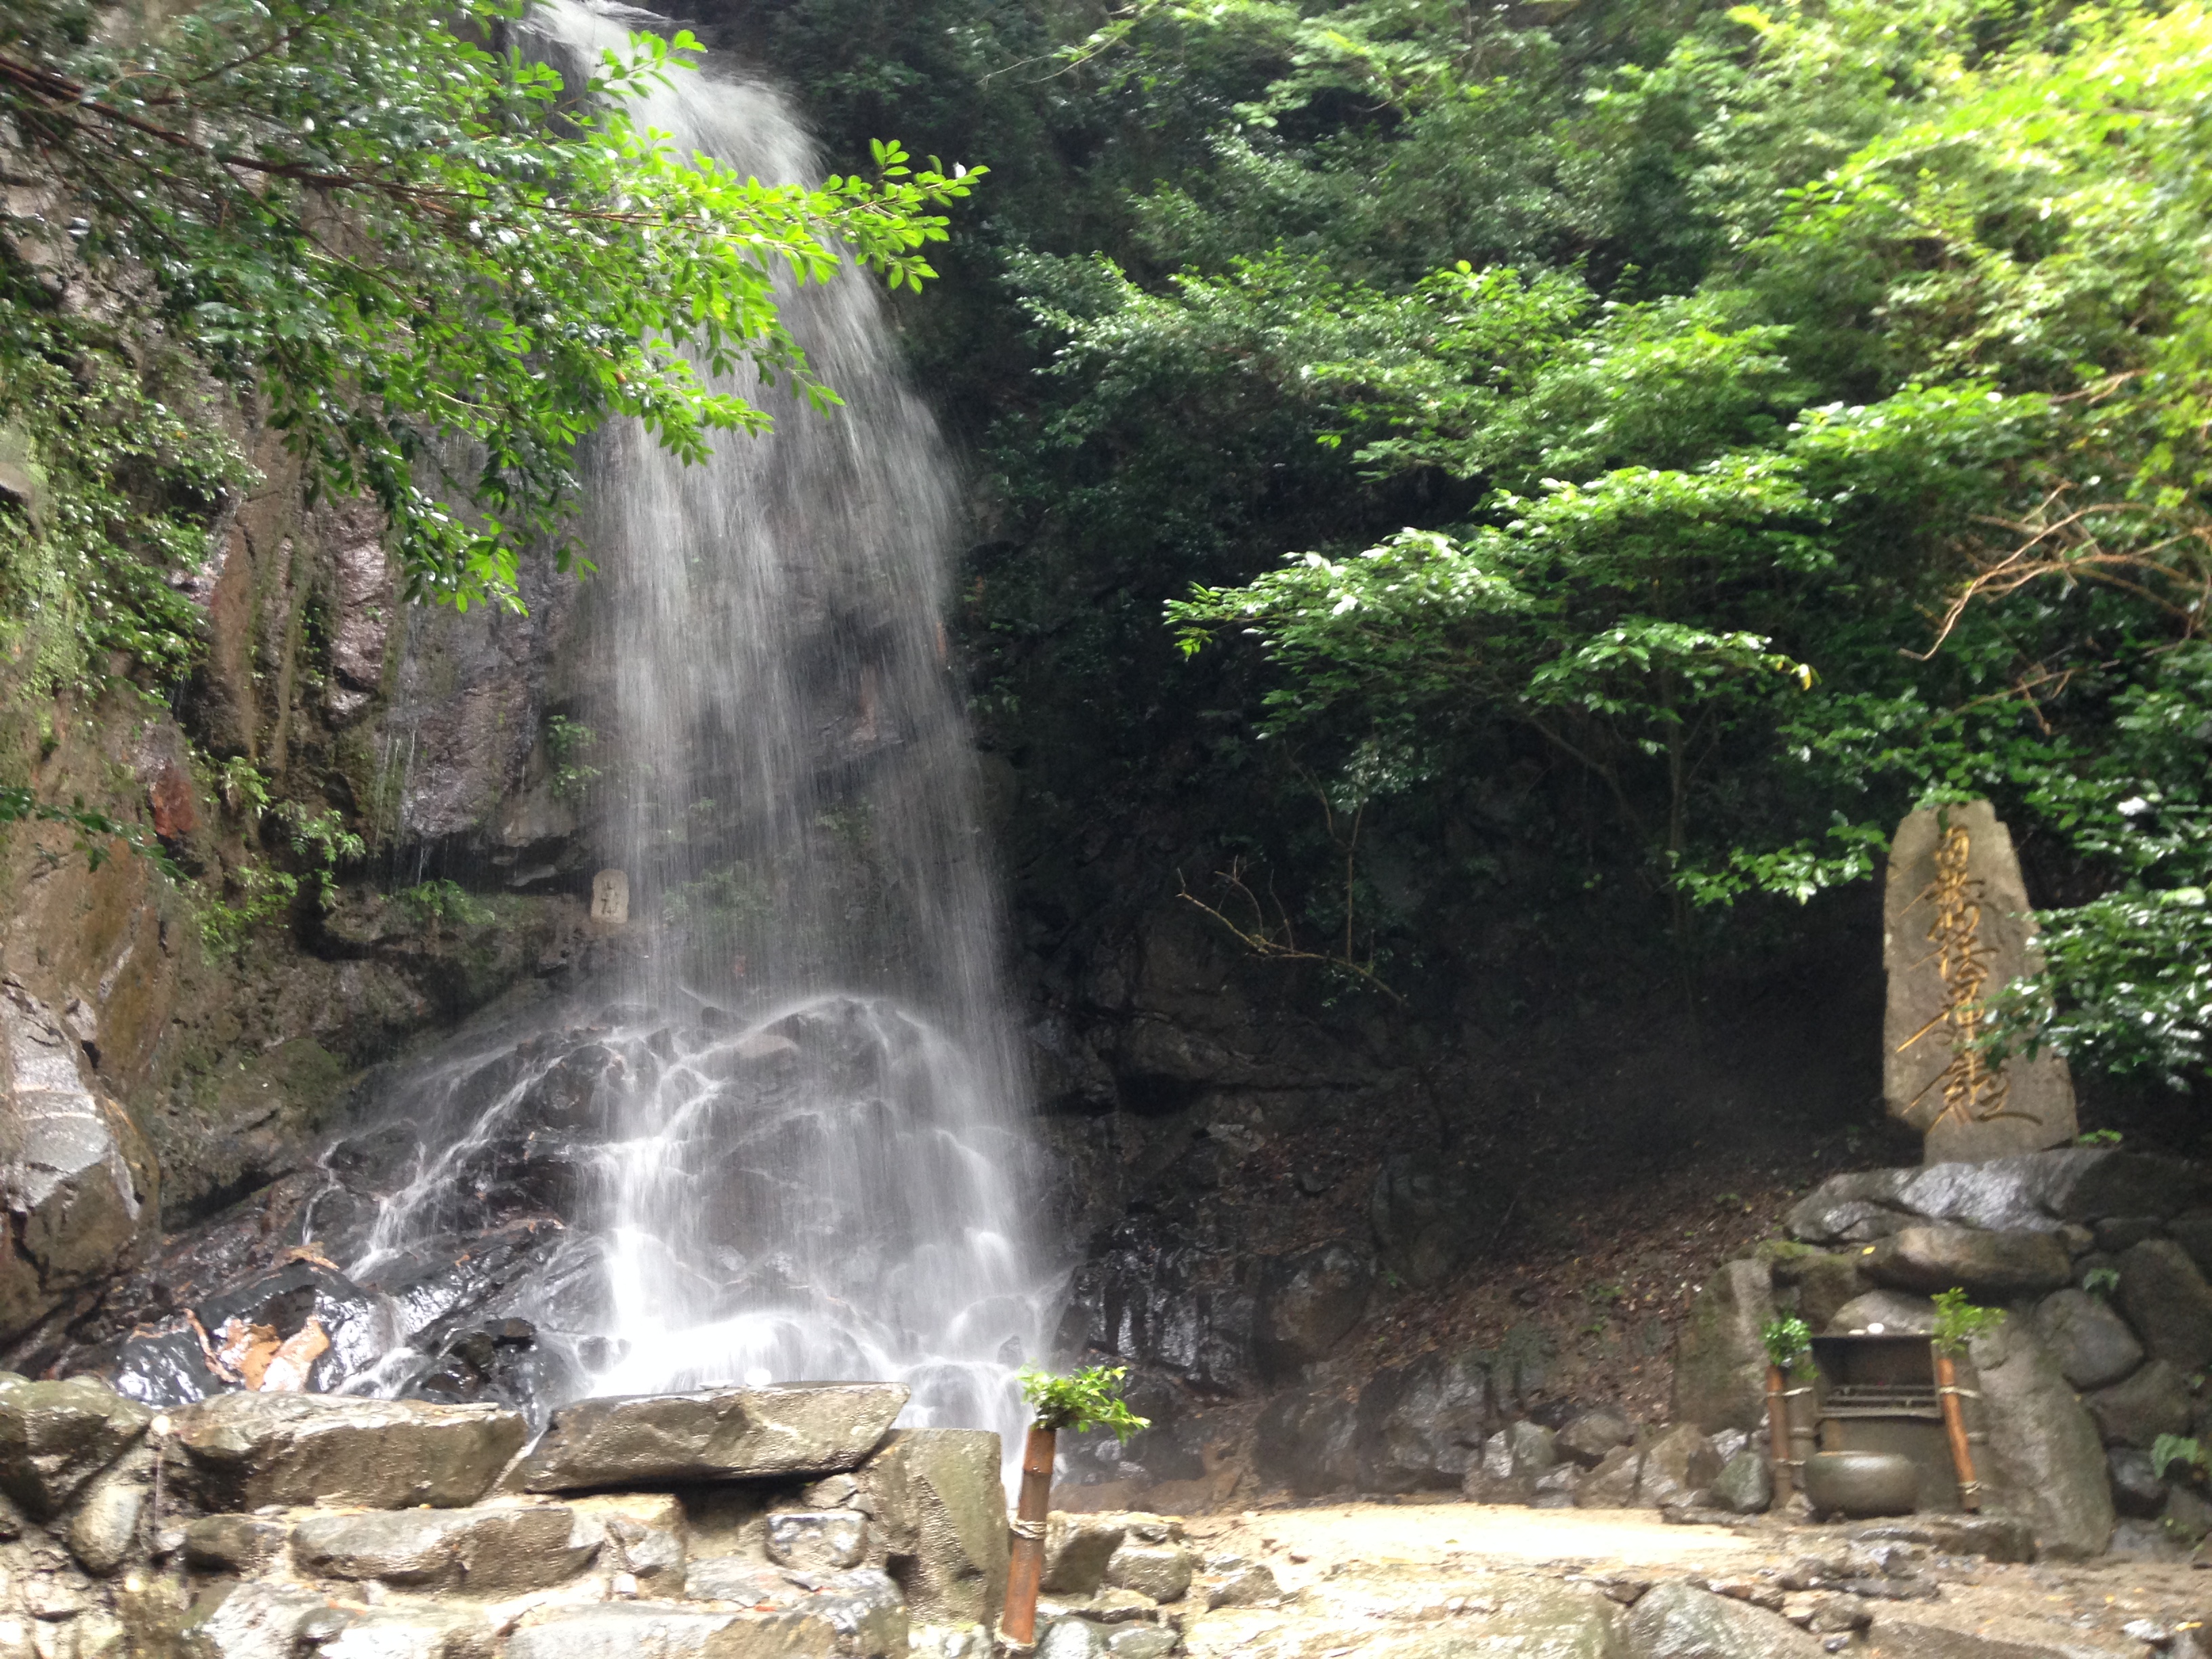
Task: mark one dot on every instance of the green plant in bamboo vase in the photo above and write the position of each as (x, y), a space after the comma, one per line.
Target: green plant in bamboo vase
(1958, 1321)
(1787, 1340)
(1087, 1398)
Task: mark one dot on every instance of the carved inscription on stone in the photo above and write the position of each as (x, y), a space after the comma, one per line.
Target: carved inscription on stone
(611, 898)
(1956, 930)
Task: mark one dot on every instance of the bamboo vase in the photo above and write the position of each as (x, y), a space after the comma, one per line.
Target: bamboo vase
(1025, 1565)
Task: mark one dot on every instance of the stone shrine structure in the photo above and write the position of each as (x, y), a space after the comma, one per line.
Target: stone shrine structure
(1956, 929)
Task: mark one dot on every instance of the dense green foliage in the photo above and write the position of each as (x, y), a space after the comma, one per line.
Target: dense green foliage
(1623, 459)
(432, 266)
(1468, 475)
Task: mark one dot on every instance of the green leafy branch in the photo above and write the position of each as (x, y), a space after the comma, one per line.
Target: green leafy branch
(1086, 1398)
(1786, 1340)
(1958, 1320)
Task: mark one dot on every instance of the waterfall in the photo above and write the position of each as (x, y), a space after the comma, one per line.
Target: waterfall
(788, 1135)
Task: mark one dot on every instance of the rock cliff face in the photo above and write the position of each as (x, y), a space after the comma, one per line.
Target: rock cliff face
(209, 1024)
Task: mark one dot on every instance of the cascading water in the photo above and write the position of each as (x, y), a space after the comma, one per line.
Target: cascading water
(788, 1146)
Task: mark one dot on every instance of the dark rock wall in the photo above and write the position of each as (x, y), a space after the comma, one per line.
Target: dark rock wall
(419, 731)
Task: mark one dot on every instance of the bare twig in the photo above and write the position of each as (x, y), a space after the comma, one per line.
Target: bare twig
(1277, 941)
(2173, 573)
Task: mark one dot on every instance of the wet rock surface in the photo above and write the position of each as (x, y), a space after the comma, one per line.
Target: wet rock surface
(80, 1186)
(715, 1435)
(1678, 1621)
(243, 1450)
(2092, 1344)
(55, 1437)
(1307, 1305)
(294, 1523)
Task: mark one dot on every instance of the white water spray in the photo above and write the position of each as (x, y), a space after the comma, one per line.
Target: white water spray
(798, 1153)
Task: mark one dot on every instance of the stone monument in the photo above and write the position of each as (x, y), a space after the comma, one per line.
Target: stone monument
(1956, 928)
(611, 898)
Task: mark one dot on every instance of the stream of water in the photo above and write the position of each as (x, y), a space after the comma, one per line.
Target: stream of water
(798, 1122)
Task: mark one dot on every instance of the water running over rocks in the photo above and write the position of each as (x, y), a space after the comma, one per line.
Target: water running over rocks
(777, 1139)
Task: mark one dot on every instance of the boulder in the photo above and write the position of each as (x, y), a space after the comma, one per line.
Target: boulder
(2092, 1344)
(2115, 1233)
(1823, 1281)
(1526, 1620)
(1675, 1621)
(939, 1513)
(1513, 1460)
(243, 1450)
(654, 1556)
(2187, 1518)
(250, 1620)
(2137, 1490)
(1558, 1489)
(1420, 1426)
(2154, 1401)
(1078, 1547)
(2192, 1230)
(1612, 1484)
(1142, 1642)
(1161, 1569)
(2038, 1191)
(103, 1533)
(235, 1544)
(1993, 1537)
(1249, 1584)
(1588, 1436)
(1720, 1361)
(2167, 1302)
(669, 1630)
(1996, 1267)
(1421, 1216)
(1071, 1638)
(716, 1434)
(1892, 1311)
(1308, 1440)
(1745, 1485)
(2046, 1464)
(1677, 1463)
(818, 1540)
(864, 1610)
(411, 1632)
(743, 1579)
(54, 1436)
(1307, 1305)
(1852, 1208)
(80, 1184)
(493, 1550)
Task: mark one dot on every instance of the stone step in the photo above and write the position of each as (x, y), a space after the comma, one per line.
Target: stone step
(717, 1434)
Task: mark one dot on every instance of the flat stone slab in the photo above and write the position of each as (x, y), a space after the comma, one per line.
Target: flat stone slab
(1997, 1266)
(245, 1450)
(721, 1434)
(672, 1629)
(495, 1549)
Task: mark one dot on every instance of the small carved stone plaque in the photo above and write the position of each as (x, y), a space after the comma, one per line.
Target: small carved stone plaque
(611, 898)
(1956, 929)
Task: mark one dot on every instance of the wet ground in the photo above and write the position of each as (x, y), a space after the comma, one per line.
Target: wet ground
(1360, 1576)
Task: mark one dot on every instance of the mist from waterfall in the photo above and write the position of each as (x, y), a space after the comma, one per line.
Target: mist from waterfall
(799, 1103)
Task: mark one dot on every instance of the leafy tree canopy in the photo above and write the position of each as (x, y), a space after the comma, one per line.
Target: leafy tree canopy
(1878, 480)
(435, 265)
